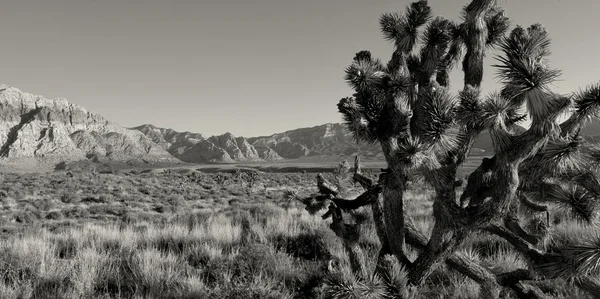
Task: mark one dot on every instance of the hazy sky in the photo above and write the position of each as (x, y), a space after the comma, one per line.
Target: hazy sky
(250, 67)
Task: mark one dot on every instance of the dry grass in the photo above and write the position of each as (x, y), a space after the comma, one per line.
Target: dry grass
(197, 235)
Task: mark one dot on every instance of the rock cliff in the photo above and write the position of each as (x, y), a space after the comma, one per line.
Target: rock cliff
(194, 148)
(34, 127)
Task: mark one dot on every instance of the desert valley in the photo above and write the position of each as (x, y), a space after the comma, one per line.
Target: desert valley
(419, 189)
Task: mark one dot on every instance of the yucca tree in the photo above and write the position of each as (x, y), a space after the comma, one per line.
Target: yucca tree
(426, 131)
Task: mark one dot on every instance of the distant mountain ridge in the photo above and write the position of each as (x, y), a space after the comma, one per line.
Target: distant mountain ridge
(330, 140)
(195, 148)
(34, 128)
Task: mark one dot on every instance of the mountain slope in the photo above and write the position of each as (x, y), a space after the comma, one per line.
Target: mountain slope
(324, 142)
(194, 148)
(34, 127)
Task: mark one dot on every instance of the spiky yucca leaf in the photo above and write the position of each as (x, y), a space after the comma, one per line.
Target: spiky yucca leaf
(533, 42)
(418, 13)
(398, 86)
(436, 39)
(356, 121)
(514, 117)
(501, 138)
(522, 68)
(573, 260)
(578, 200)
(414, 154)
(587, 106)
(543, 106)
(402, 29)
(394, 119)
(447, 144)
(438, 107)
(395, 28)
(364, 75)
(396, 278)
(290, 195)
(586, 256)
(371, 104)
(562, 157)
(344, 287)
(592, 152)
(469, 111)
(364, 55)
(495, 110)
(497, 24)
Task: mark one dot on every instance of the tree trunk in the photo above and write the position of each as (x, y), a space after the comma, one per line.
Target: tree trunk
(476, 41)
(444, 237)
(393, 214)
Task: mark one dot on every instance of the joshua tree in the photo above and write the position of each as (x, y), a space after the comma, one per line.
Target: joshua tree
(425, 131)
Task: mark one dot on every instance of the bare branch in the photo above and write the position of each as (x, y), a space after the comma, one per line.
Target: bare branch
(326, 187)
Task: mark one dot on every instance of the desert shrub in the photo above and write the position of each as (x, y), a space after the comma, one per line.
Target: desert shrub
(106, 198)
(194, 219)
(261, 213)
(130, 217)
(76, 212)
(253, 260)
(55, 215)
(26, 217)
(489, 246)
(251, 291)
(144, 190)
(307, 245)
(53, 287)
(116, 278)
(65, 247)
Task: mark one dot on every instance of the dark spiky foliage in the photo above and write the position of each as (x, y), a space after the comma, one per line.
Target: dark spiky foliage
(363, 56)
(469, 110)
(354, 118)
(436, 39)
(496, 109)
(413, 63)
(523, 68)
(426, 133)
(395, 120)
(343, 287)
(573, 260)
(365, 75)
(402, 29)
(586, 106)
(439, 106)
(497, 24)
(578, 200)
(418, 13)
(587, 101)
(563, 156)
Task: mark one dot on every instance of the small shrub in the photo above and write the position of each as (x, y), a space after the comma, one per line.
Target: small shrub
(76, 212)
(26, 217)
(306, 245)
(55, 215)
(70, 198)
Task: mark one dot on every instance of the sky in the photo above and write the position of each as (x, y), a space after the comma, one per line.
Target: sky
(249, 67)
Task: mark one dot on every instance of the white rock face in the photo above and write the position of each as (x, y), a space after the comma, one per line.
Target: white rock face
(32, 126)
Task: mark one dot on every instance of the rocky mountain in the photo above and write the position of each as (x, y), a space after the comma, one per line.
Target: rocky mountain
(194, 148)
(328, 142)
(33, 127)
(324, 142)
(334, 140)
